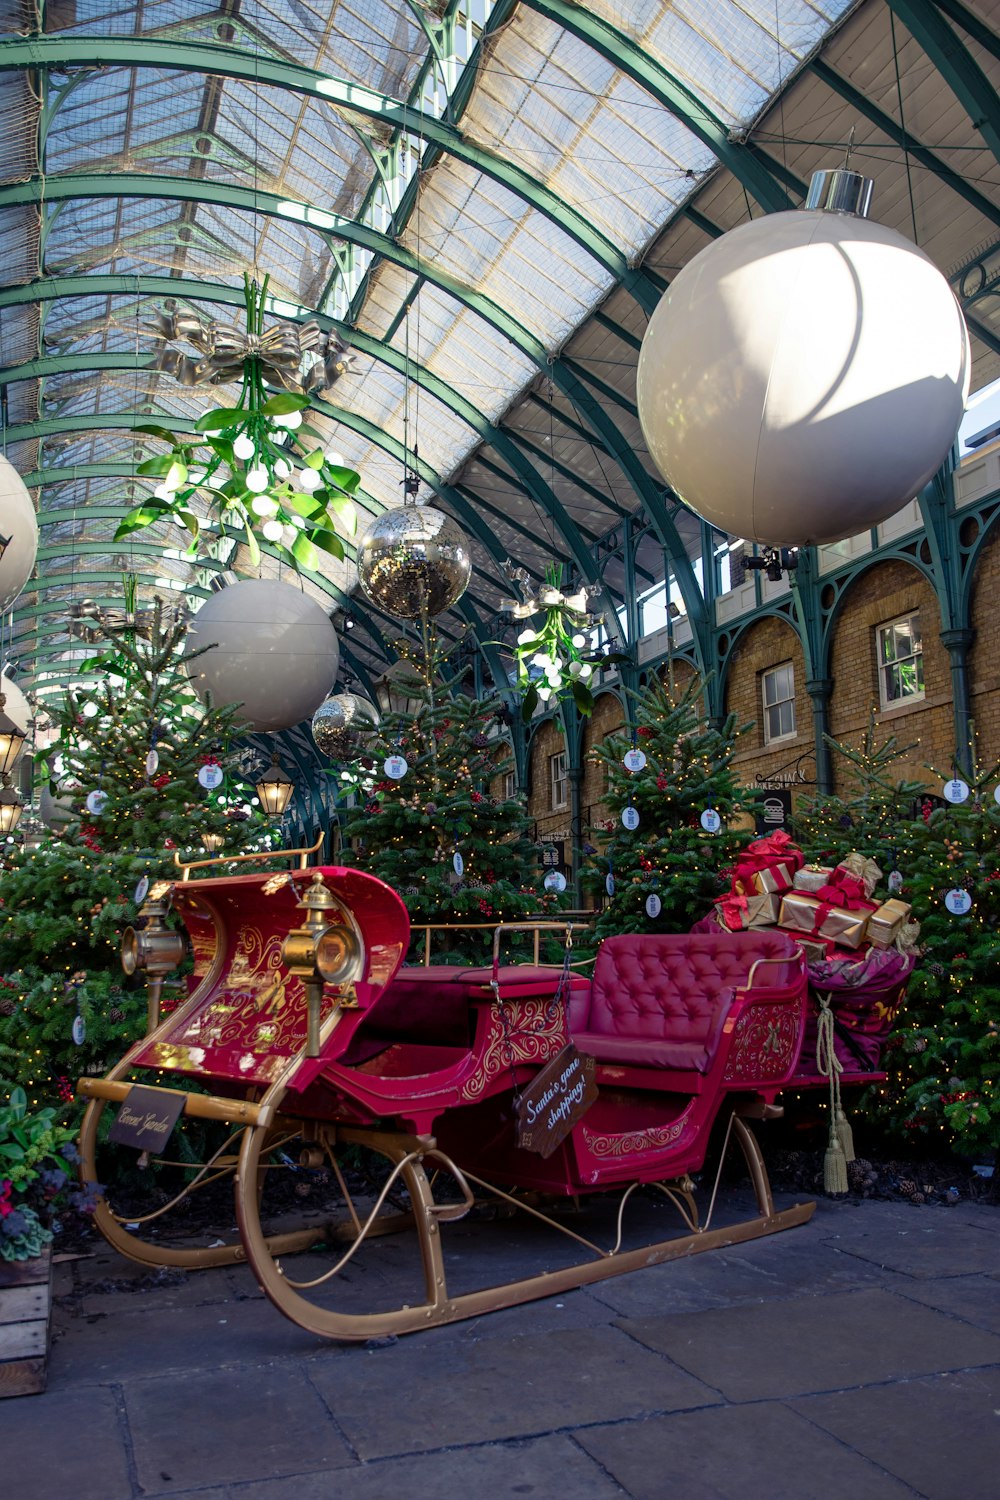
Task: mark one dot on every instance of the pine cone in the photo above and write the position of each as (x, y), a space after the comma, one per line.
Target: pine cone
(907, 1187)
(116, 1015)
(6, 1006)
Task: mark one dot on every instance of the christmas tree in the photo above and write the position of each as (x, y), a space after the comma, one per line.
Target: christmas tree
(428, 826)
(128, 754)
(944, 1058)
(675, 797)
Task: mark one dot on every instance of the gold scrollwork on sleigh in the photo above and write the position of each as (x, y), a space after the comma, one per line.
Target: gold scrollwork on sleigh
(531, 1032)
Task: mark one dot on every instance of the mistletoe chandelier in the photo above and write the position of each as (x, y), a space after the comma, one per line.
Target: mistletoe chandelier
(255, 467)
(551, 658)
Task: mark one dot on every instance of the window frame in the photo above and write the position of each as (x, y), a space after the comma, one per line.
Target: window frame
(886, 703)
(557, 781)
(790, 734)
(509, 785)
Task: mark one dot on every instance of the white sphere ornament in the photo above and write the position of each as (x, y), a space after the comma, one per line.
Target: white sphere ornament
(414, 561)
(270, 648)
(18, 534)
(804, 376)
(15, 705)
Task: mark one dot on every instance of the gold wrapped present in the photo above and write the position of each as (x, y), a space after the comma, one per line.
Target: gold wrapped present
(735, 913)
(884, 925)
(865, 869)
(815, 952)
(769, 882)
(762, 911)
(811, 877)
(802, 913)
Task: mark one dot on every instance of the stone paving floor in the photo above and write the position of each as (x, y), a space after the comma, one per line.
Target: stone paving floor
(857, 1356)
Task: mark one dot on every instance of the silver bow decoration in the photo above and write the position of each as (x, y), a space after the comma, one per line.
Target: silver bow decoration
(298, 358)
(548, 597)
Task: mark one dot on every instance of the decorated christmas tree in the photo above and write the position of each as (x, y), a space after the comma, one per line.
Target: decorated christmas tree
(680, 816)
(428, 825)
(140, 762)
(944, 1061)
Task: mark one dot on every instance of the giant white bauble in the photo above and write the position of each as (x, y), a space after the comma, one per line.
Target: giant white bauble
(803, 377)
(18, 523)
(272, 649)
(15, 704)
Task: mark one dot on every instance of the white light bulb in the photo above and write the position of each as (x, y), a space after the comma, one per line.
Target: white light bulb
(335, 459)
(545, 693)
(290, 420)
(244, 447)
(263, 505)
(541, 659)
(281, 468)
(273, 530)
(256, 479)
(579, 640)
(309, 480)
(586, 670)
(90, 710)
(553, 676)
(288, 534)
(526, 637)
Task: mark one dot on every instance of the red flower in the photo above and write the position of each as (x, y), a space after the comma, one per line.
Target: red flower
(169, 844)
(645, 734)
(161, 781)
(661, 782)
(476, 797)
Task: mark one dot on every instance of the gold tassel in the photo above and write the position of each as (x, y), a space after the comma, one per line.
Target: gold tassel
(845, 1135)
(834, 1167)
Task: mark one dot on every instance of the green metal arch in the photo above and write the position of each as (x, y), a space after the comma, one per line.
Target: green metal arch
(47, 52)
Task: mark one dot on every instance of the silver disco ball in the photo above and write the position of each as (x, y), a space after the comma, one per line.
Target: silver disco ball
(414, 561)
(342, 725)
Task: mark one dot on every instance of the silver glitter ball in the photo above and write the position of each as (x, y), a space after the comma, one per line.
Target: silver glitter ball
(342, 726)
(414, 561)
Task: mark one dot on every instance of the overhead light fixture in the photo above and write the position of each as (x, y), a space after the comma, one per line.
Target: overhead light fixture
(212, 842)
(275, 789)
(11, 738)
(11, 806)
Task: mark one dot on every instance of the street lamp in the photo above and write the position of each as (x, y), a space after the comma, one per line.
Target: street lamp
(275, 788)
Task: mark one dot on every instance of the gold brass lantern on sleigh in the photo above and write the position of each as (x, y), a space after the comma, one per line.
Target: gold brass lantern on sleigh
(155, 949)
(320, 952)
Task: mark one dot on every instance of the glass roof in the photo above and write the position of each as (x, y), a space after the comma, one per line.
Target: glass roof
(493, 254)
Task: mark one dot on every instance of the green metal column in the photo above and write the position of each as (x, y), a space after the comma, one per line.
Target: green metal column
(957, 642)
(820, 690)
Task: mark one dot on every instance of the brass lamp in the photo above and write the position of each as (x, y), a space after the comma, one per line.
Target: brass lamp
(319, 952)
(157, 950)
(275, 788)
(11, 739)
(11, 806)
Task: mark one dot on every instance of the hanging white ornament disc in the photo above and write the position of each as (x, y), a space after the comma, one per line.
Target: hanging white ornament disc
(956, 791)
(458, 864)
(803, 377)
(630, 817)
(141, 889)
(895, 882)
(958, 902)
(395, 767)
(96, 802)
(152, 763)
(555, 880)
(609, 884)
(634, 760)
(710, 820)
(653, 905)
(79, 1030)
(210, 777)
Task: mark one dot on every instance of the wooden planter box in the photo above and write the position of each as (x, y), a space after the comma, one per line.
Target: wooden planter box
(25, 1306)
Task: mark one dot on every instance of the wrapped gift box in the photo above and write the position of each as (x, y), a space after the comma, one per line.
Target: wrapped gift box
(811, 878)
(802, 913)
(735, 913)
(884, 924)
(814, 950)
(766, 882)
(866, 870)
(766, 866)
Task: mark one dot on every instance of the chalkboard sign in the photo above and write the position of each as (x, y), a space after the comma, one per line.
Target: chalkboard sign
(555, 1099)
(146, 1118)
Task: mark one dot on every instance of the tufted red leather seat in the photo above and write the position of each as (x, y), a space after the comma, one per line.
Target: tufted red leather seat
(660, 1001)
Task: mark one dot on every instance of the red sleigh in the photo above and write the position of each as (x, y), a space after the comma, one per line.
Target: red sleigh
(305, 1035)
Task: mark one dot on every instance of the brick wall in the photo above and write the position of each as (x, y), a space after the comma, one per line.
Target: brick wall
(984, 657)
(767, 643)
(608, 716)
(545, 742)
(880, 594)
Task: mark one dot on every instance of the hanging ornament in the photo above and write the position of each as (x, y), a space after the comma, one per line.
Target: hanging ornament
(837, 362)
(653, 905)
(555, 880)
(152, 763)
(266, 646)
(634, 760)
(395, 767)
(342, 726)
(79, 1030)
(211, 776)
(956, 791)
(996, 794)
(630, 818)
(97, 801)
(609, 883)
(18, 535)
(458, 864)
(958, 902)
(550, 660)
(895, 882)
(710, 820)
(414, 561)
(235, 465)
(141, 889)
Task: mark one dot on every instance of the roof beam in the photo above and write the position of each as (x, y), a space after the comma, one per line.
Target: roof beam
(72, 50)
(956, 65)
(971, 23)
